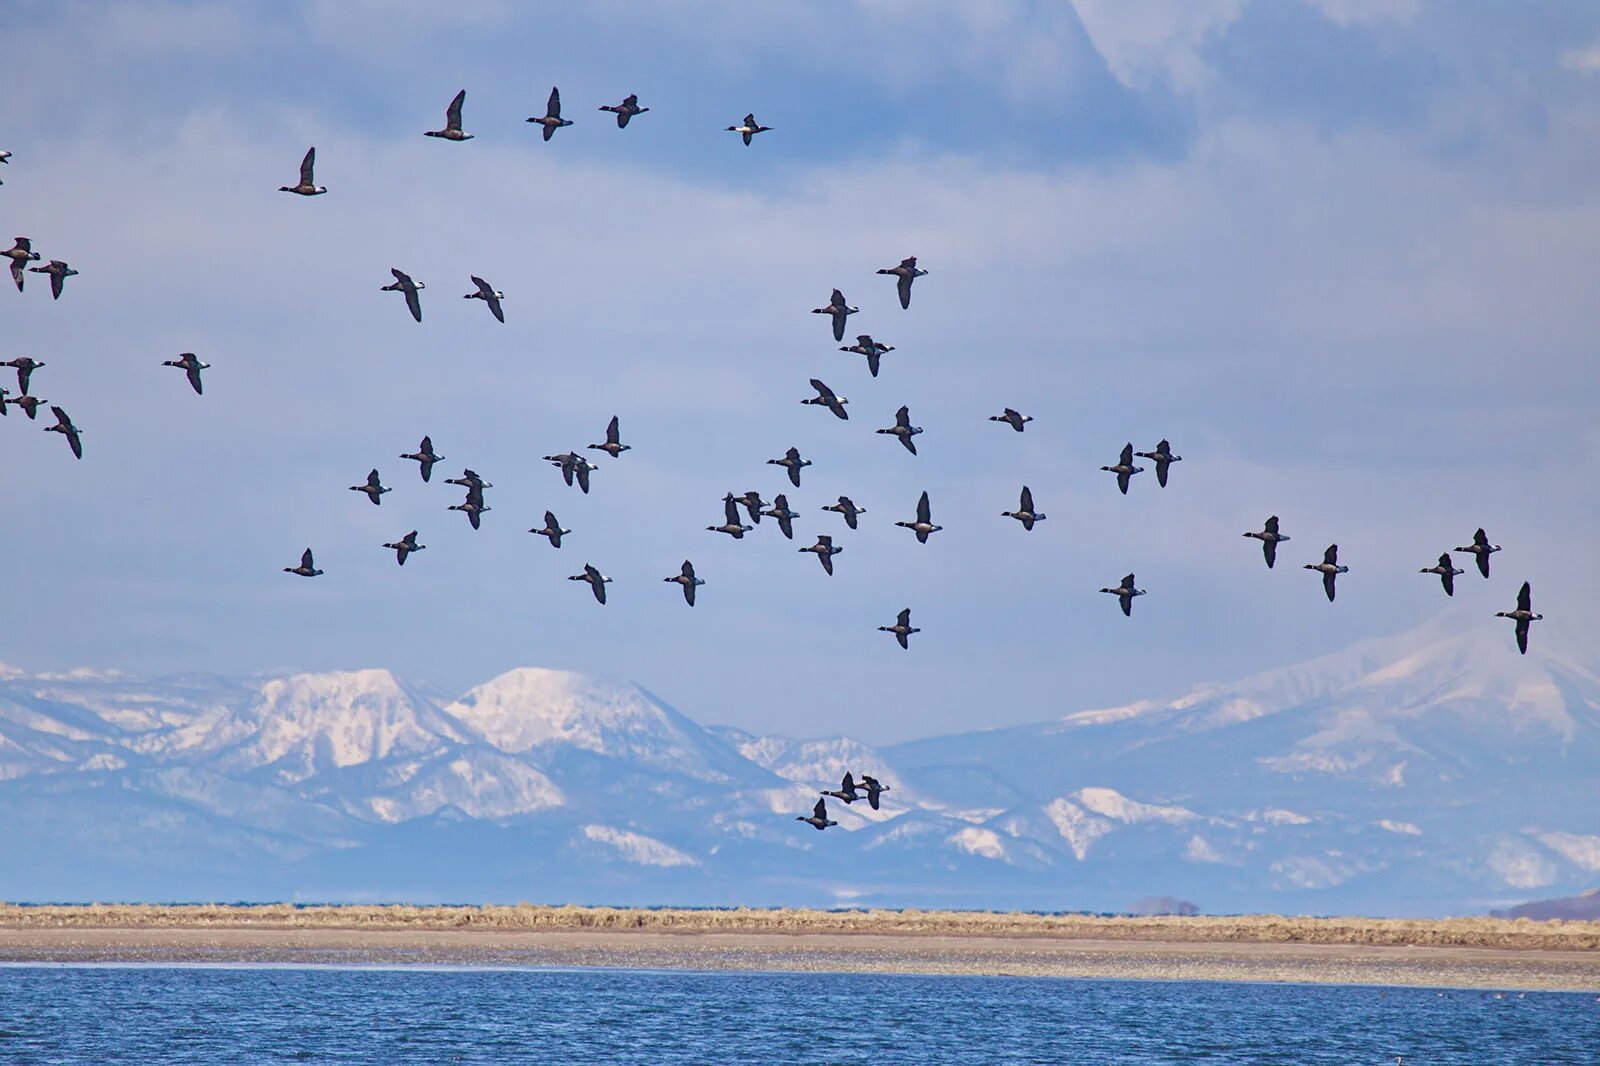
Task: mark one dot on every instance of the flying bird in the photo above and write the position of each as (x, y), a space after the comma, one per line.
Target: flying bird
(875, 789)
(846, 507)
(29, 405)
(473, 506)
(613, 445)
(825, 551)
(452, 121)
(793, 463)
(552, 120)
(1163, 458)
(373, 488)
(1522, 615)
(1446, 571)
(825, 398)
(687, 579)
(191, 366)
(425, 458)
(902, 628)
(839, 310)
(403, 283)
(21, 253)
(846, 790)
(1124, 468)
(489, 295)
(597, 581)
(906, 273)
(1329, 568)
(780, 511)
(572, 466)
(923, 526)
(1014, 419)
(752, 502)
(749, 128)
(59, 273)
(1025, 512)
(625, 110)
(1481, 549)
(307, 567)
(903, 429)
(730, 523)
(24, 365)
(868, 347)
(469, 479)
(819, 816)
(1125, 593)
(1270, 538)
(552, 529)
(65, 427)
(308, 184)
(405, 546)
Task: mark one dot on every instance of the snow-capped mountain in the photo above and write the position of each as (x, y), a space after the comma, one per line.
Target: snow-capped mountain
(1431, 772)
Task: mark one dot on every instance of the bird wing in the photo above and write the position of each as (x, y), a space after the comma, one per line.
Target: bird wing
(1126, 458)
(193, 373)
(582, 470)
(413, 302)
(1122, 482)
(924, 511)
(1525, 597)
(495, 308)
(902, 417)
(307, 166)
(1027, 499)
(1128, 583)
(372, 479)
(823, 392)
(1327, 583)
(750, 120)
(904, 286)
(61, 416)
(820, 811)
(1269, 548)
(827, 562)
(1127, 605)
(306, 560)
(688, 570)
(1331, 556)
(1272, 525)
(1522, 635)
(904, 617)
(485, 290)
(874, 359)
(56, 282)
(837, 299)
(452, 114)
(1448, 580)
(730, 511)
(1483, 563)
(553, 108)
(18, 275)
(1161, 472)
(1480, 538)
(612, 435)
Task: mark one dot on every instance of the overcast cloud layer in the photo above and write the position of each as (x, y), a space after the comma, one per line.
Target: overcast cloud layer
(1341, 253)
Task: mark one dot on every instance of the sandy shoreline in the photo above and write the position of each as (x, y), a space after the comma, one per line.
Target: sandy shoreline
(1469, 953)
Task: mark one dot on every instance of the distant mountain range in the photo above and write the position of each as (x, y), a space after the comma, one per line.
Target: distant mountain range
(1432, 772)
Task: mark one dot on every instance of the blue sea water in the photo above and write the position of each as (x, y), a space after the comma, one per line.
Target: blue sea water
(398, 1017)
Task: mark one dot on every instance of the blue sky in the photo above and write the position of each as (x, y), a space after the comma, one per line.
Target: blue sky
(1341, 253)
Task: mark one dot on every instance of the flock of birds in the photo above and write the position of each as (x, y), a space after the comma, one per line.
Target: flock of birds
(576, 469)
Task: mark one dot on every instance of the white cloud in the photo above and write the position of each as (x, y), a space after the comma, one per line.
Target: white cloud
(1156, 41)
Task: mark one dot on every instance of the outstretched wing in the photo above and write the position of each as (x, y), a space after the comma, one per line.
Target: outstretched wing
(902, 417)
(307, 166)
(1269, 548)
(306, 560)
(730, 511)
(582, 470)
(553, 108)
(452, 114)
(1126, 458)
(924, 511)
(485, 290)
(904, 618)
(1027, 499)
(193, 373)
(1525, 597)
(1272, 525)
(612, 436)
(820, 811)
(1480, 538)
(824, 393)
(1331, 556)
(904, 286)
(1327, 583)
(413, 302)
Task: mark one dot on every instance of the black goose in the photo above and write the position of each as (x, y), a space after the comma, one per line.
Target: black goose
(874, 788)
(473, 506)
(839, 310)
(403, 283)
(1163, 458)
(846, 790)
(469, 479)
(1014, 419)
(452, 121)
(24, 365)
(1447, 573)
(687, 579)
(425, 458)
(793, 463)
(1270, 538)
(903, 429)
(1522, 616)
(902, 628)
(625, 110)
(191, 366)
(307, 567)
(826, 397)
(1329, 568)
(825, 551)
(1124, 468)
(923, 526)
(1025, 512)
(597, 581)
(552, 529)
(552, 120)
(613, 445)
(870, 348)
(65, 427)
(308, 185)
(489, 295)
(1125, 593)
(573, 466)
(373, 488)
(21, 254)
(780, 511)
(59, 273)
(752, 503)
(819, 816)
(749, 128)
(1481, 549)
(730, 523)
(29, 405)
(906, 273)
(405, 546)
(846, 507)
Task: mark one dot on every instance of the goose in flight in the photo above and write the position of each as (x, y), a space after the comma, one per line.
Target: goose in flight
(870, 348)
(825, 551)
(452, 121)
(819, 816)
(874, 789)
(489, 295)
(749, 128)
(307, 567)
(1025, 512)
(730, 520)
(1125, 593)
(1447, 573)
(902, 628)
(687, 579)
(59, 273)
(65, 427)
(552, 529)
(405, 546)
(838, 309)
(552, 120)
(373, 488)
(1163, 458)
(469, 479)
(780, 511)
(425, 458)
(793, 463)
(308, 185)
(1329, 568)
(752, 502)
(21, 253)
(846, 507)
(1481, 549)
(1124, 468)
(572, 466)
(903, 429)
(1522, 616)
(24, 365)
(923, 526)
(473, 506)
(29, 404)
(403, 283)
(906, 273)
(846, 790)
(1270, 538)
(613, 445)
(597, 581)
(1014, 419)
(825, 397)
(625, 110)
(191, 366)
